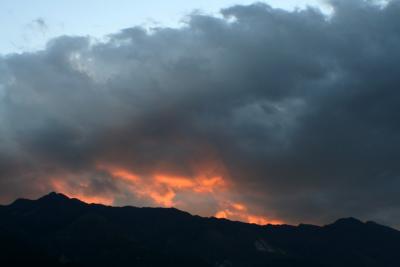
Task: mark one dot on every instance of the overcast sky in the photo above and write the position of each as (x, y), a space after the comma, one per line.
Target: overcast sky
(254, 113)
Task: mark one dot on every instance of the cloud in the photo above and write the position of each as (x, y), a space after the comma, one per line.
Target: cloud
(40, 24)
(294, 113)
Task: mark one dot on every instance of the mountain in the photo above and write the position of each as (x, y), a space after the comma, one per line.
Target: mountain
(58, 231)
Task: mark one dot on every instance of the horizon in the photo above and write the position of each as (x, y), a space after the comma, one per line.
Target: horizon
(51, 194)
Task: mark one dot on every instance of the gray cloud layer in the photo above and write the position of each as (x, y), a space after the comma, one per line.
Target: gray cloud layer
(302, 110)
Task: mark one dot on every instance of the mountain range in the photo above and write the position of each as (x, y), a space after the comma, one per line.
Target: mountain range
(55, 230)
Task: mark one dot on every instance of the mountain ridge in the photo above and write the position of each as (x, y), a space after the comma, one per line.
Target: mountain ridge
(56, 230)
(58, 197)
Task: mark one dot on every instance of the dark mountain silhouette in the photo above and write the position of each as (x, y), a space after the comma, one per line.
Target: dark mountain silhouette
(58, 231)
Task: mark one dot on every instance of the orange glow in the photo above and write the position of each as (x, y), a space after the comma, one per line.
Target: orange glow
(162, 189)
(60, 185)
(221, 214)
(198, 184)
(239, 212)
(175, 182)
(239, 206)
(210, 187)
(92, 199)
(167, 199)
(261, 220)
(126, 175)
(120, 173)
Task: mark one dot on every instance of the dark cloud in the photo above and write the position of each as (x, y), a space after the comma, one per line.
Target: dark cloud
(298, 110)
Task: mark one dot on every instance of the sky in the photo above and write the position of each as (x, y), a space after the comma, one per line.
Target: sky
(252, 113)
(28, 27)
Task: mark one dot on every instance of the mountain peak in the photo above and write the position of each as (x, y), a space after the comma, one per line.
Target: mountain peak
(347, 222)
(54, 196)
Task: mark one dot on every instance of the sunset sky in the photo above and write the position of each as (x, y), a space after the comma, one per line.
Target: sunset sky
(267, 112)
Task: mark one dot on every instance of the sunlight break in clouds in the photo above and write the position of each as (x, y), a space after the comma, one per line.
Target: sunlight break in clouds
(164, 189)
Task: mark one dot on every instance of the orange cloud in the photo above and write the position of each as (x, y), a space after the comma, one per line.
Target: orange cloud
(197, 184)
(79, 192)
(166, 199)
(126, 175)
(261, 220)
(174, 182)
(163, 189)
(238, 206)
(208, 185)
(239, 212)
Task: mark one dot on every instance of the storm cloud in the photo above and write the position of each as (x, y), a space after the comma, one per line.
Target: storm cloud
(294, 114)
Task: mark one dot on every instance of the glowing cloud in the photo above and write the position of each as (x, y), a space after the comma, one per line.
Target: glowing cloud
(163, 189)
(239, 212)
(79, 192)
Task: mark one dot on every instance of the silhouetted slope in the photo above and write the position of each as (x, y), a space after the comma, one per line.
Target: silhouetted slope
(57, 231)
